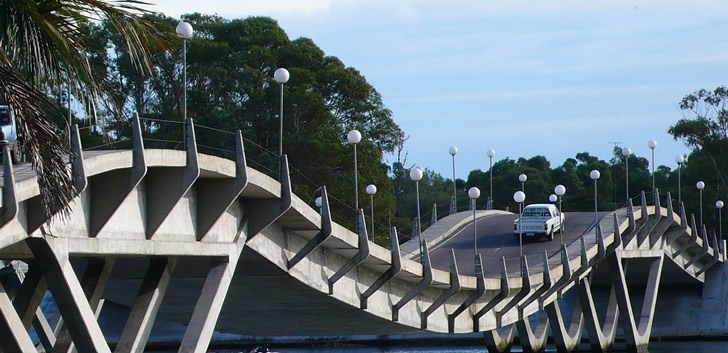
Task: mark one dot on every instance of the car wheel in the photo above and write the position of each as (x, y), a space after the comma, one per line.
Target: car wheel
(17, 153)
(550, 235)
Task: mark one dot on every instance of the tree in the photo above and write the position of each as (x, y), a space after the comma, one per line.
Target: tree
(703, 128)
(42, 48)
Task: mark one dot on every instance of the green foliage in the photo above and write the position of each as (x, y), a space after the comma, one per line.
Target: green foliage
(230, 65)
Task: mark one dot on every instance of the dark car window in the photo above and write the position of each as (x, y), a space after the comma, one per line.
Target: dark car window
(4, 117)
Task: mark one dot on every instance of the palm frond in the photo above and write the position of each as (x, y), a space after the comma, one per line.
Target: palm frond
(42, 47)
(42, 142)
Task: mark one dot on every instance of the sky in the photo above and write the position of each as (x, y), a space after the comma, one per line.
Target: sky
(525, 78)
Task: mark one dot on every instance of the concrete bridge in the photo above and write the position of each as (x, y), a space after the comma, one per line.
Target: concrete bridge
(220, 247)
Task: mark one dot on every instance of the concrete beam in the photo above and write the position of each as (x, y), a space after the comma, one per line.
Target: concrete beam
(505, 291)
(446, 295)
(105, 201)
(30, 294)
(387, 276)
(93, 282)
(70, 298)
(146, 306)
(321, 236)
(262, 213)
(636, 330)
(215, 196)
(360, 256)
(9, 209)
(479, 292)
(547, 284)
(601, 332)
(565, 279)
(78, 172)
(13, 336)
(533, 340)
(691, 241)
(523, 293)
(566, 339)
(165, 187)
(421, 285)
(209, 304)
(498, 343)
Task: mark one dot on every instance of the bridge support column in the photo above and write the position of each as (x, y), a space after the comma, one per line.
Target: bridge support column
(207, 310)
(70, 298)
(566, 340)
(497, 343)
(93, 284)
(533, 340)
(146, 305)
(636, 330)
(13, 336)
(601, 335)
(27, 300)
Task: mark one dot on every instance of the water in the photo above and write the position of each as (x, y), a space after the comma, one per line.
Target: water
(655, 347)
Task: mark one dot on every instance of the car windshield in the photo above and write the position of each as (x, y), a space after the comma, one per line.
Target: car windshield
(4, 116)
(536, 212)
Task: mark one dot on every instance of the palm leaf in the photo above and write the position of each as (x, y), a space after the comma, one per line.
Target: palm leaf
(42, 47)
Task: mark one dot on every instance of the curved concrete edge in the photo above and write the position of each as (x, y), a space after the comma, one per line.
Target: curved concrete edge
(444, 229)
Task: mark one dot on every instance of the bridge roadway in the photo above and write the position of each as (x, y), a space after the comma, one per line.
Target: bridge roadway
(214, 245)
(496, 240)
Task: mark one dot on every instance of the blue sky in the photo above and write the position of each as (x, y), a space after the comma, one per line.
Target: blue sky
(523, 77)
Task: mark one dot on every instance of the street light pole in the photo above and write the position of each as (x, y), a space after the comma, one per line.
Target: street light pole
(371, 190)
(281, 76)
(595, 176)
(519, 197)
(184, 31)
(474, 193)
(416, 175)
(626, 152)
(560, 190)
(652, 145)
(354, 137)
(719, 205)
(679, 159)
(522, 178)
(453, 151)
(701, 185)
(491, 154)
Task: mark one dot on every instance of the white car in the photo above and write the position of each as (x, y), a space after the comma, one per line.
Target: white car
(539, 220)
(7, 124)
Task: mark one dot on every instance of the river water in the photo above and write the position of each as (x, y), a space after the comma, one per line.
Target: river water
(655, 347)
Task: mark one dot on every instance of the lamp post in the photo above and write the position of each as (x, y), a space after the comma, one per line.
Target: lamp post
(652, 145)
(416, 175)
(354, 137)
(453, 151)
(522, 178)
(560, 190)
(184, 32)
(474, 193)
(594, 175)
(553, 198)
(700, 185)
(491, 154)
(719, 205)
(679, 159)
(281, 76)
(626, 152)
(519, 197)
(371, 190)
